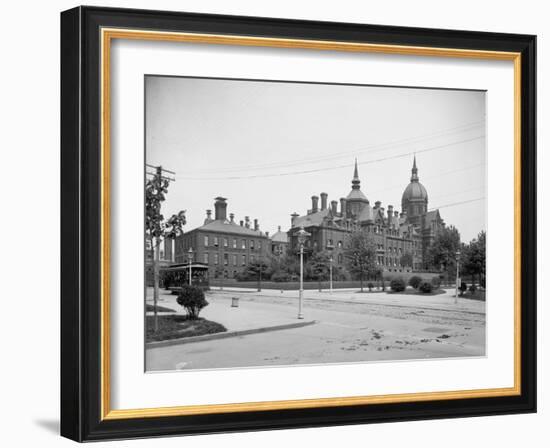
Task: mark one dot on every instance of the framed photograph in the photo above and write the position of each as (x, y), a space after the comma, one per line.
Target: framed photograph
(272, 223)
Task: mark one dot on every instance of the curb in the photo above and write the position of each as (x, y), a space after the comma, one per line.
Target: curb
(227, 334)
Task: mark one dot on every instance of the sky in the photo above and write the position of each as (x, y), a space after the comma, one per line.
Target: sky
(269, 146)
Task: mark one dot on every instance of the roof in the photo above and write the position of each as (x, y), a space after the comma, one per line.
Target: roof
(230, 227)
(433, 215)
(279, 236)
(313, 219)
(366, 214)
(415, 190)
(355, 194)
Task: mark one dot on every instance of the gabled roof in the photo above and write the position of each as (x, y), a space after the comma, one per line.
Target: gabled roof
(433, 215)
(313, 219)
(229, 227)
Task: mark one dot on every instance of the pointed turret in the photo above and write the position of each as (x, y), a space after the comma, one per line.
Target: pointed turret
(356, 182)
(414, 171)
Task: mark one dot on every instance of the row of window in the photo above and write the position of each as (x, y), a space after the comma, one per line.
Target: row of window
(215, 241)
(227, 258)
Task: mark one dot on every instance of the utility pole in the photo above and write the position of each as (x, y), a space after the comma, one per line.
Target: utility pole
(155, 243)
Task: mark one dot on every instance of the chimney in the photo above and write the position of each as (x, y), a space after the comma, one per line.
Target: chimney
(334, 207)
(343, 207)
(396, 213)
(208, 216)
(220, 207)
(324, 197)
(241, 222)
(247, 222)
(314, 204)
(256, 225)
(377, 204)
(293, 218)
(267, 234)
(232, 218)
(390, 211)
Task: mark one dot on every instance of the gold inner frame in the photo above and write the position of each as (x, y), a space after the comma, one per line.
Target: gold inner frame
(107, 35)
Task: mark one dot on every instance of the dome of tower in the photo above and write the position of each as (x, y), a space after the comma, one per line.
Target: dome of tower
(415, 191)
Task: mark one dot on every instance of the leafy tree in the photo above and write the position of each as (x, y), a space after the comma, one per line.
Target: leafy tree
(192, 299)
(157, 228)
(406, 260)
(256, 270)
(441, 254)
(473, 259)
(360, 254)
(318, 267)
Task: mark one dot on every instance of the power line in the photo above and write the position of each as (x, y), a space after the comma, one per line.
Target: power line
(340, 154)
(457, 203)
(253, 176)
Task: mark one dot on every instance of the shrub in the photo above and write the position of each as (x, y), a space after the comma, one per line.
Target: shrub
(398, 284)
(425, 287)
(472, 288)
(192, 299)
(463, 287)
(415, 281)
(436, 282)
(280, 276)
(370, 285)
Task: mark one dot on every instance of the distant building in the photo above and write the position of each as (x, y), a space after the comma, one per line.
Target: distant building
(409, 232)
(223, 244)
(279, 243)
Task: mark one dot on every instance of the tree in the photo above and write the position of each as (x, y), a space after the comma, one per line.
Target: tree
(360, 254)
(474, 258)
(318, 267)
(406, 260)
(441, 254)
(256, 270)
(157, 228)
(192, 299)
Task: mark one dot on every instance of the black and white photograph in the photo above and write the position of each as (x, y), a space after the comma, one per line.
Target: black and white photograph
(293, 223)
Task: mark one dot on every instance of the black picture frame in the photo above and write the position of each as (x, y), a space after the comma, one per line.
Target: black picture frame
(81, 224)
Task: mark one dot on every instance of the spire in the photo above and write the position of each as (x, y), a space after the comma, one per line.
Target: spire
(356, 183)
(414, 171)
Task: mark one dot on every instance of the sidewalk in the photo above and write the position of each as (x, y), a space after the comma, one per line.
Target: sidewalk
(246, 317)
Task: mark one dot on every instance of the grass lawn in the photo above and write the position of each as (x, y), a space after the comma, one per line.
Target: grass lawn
(477, 295)
(160, 309)
(178, 326)
(415, 292)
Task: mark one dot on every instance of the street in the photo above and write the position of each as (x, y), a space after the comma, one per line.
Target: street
(349, 327)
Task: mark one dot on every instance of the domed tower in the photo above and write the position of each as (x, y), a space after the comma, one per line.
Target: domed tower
(356, 200)
(414, 201)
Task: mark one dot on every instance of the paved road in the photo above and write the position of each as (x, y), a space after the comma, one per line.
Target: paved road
(350, 327)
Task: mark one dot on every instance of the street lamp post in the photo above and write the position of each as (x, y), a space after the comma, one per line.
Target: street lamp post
(457, 278)
(279, 253)
(190, 258)
(330, 274)
(259, 274)
(302, 236)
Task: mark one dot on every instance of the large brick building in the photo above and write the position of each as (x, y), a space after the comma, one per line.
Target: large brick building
(395, 234)
(223, 244)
